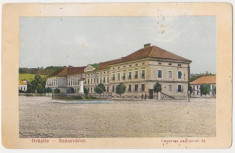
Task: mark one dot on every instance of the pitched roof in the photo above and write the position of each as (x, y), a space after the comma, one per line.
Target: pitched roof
(147, 52)
(205, 80)
(22, 83)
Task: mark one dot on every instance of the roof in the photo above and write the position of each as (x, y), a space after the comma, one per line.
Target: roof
(205, 80)
(147, 52)
(22, 83)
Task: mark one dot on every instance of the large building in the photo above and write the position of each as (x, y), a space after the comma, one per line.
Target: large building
(209, 80)
(138, 71)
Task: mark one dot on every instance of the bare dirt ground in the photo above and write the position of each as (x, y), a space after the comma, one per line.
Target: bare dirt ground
(39, 117)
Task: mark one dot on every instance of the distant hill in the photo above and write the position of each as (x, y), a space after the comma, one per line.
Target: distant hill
(28, 76)
(40, 70)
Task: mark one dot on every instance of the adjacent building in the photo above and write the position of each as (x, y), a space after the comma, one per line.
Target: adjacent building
(210, 80)
(22, 85)
(138, 71)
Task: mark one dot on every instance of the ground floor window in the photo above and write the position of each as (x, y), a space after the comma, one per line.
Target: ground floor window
(129, 89)
(136, 87)
(142, 87)
(179, 88)
(113, 89)
(107, 89)
(170, 88)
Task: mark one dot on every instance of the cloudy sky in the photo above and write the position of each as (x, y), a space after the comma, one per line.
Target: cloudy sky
(78, 41)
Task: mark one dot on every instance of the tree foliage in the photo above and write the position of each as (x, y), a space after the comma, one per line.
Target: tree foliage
(48, 90)
(70, 90)
(205, 89)
(85, 91)
(100, 88)
(56, 90)
(120, 89)
(157, 87)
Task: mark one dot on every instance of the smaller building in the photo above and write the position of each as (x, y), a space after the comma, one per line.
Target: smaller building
(23, 85)
(210, 80)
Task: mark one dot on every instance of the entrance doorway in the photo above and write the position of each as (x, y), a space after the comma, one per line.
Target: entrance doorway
(150, 93)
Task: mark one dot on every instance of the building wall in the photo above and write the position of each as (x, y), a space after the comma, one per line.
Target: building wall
(197, 91)
(23, 87)
(144, 73)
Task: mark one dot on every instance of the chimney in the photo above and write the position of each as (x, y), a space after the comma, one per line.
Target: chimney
(147, 45)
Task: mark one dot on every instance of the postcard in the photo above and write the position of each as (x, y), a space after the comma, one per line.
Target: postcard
(117, 75)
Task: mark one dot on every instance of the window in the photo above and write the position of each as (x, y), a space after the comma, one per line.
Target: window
(159, 63)
(91, 89)
(113, 88)
(113, 76)
(124, 76)
(129, 89)
(179, 65)
(143, 74)
(159, 73)
(107, 79)
(91, 81)
(104, 79)
(179, 88)
(142, 87)
(170, 88)
(170, 74)
(88, 81)
(100, 79)
(136, 87)
(136, 64)
(169, 63)
(129, 75)
(107, 89)
(97, 80)
(119, 76)
(136, 74)
(179, 75)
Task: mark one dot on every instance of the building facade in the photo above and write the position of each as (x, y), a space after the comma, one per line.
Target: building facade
(138, 71)
(209, 80)
(22, 85)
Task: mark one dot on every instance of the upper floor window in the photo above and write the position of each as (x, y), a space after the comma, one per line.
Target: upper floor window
(119, 76)
(124, 76)
(104, 79)
(179, 65)
(159, 73)
(179, 75)
(136, 74)
(107, 79)
(143, 74)
(160, 63)
(129, 75)
(113, 76)
(169, 63)
(170, 74)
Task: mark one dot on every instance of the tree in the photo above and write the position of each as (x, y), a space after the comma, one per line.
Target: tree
(214, 91)
(120, 89)
(190, 89)
(100, 88)
(48, 90)
(205, 89)
(56, 90)
(157, 89)
(70, 90)
(85, 91)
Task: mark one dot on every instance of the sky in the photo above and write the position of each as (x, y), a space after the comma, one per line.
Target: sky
(79, 41)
